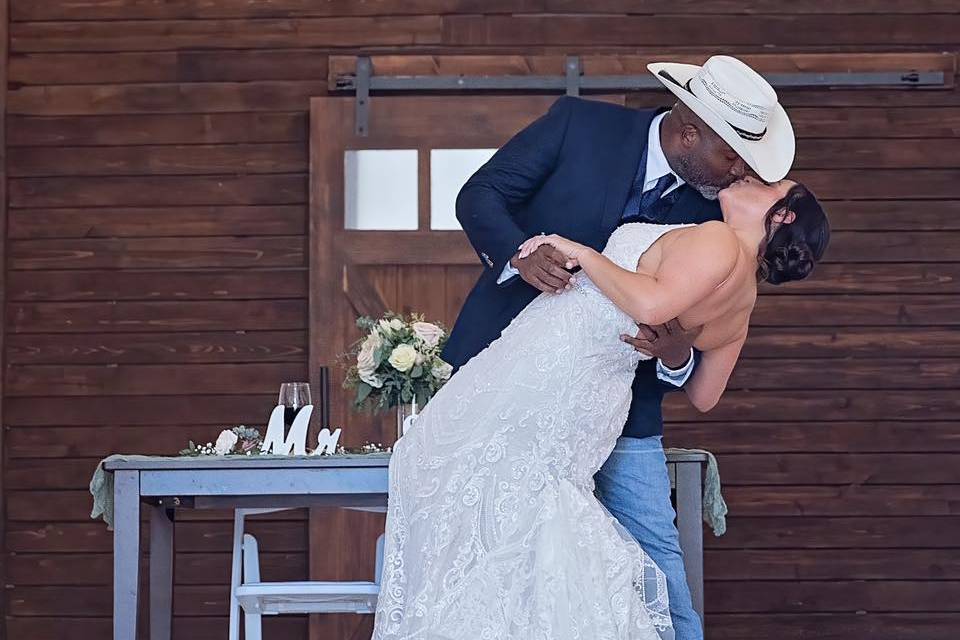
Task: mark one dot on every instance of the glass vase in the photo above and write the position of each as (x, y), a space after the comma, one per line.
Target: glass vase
(405, 411)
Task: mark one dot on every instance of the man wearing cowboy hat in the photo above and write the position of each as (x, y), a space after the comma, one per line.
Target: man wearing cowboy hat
(580, 171)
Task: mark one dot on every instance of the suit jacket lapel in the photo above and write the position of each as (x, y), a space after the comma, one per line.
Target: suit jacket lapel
(624, 169)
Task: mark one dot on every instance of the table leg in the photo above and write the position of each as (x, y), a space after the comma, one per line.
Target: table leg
(161, 572)
(690, 524)
(126, 553)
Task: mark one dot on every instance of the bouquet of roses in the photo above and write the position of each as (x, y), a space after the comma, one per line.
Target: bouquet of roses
(397, 362)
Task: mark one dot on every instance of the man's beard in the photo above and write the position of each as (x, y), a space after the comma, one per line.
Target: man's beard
(694, 174)
(709, 192)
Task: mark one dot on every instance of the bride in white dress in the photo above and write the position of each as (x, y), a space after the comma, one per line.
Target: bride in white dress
(493, 531)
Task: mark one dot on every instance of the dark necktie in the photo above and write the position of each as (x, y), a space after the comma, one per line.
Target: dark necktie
(649, 206)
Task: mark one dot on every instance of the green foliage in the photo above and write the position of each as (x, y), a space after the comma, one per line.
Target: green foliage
(384, 377)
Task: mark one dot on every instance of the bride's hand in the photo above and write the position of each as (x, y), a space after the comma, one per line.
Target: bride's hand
(570, 249)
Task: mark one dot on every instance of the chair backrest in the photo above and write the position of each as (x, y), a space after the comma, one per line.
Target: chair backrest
(251, 559)
(378, 569)
(239, 523)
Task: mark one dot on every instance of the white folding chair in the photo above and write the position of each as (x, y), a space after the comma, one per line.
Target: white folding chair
(256, 598)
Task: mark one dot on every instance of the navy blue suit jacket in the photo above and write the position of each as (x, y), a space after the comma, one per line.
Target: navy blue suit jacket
(569, 173)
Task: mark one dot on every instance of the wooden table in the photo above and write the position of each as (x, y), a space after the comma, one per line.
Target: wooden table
(166, 485)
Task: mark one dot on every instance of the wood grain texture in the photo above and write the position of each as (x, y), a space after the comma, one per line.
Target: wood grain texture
(159, 128)
(816, 596)
(834, 626)
(4, 75)
(800, 404)
(158, 253)
(163, 98)
(86, 317)
(101, 441)
(276, 189)
(56, 626)
(192, 537)
(148, 220)
(153, 410)
(37, 10)
(247, 33)
(836, 532)
(213, 284)
(158, 348)
(817, 437)
(150, 379)
(167, 66)
(94, 569)
(725, 31)
(161, 160)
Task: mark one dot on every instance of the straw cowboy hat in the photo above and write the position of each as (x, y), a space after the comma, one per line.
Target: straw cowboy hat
(737, 103)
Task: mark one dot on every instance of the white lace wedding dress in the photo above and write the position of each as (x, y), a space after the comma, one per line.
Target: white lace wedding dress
(493, 530)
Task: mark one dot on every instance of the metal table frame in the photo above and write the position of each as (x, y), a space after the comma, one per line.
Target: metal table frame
(165, 485)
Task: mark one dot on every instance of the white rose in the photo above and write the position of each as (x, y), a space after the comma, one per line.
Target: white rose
(366, 359)
(441, 370)
(225, 442)
(403, 358)
(385, 327)
(428, 332)
(396, 324)
(371, 379)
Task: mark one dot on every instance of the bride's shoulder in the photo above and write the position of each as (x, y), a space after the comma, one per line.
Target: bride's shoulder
(718, 236)
(711, 247)
(715, 228)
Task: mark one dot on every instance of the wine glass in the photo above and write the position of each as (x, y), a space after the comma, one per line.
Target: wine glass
(293, 396)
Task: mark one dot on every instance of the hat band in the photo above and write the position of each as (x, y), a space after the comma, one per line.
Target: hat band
(743, 133)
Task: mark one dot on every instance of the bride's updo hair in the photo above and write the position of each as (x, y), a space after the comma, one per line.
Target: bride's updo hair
(793, 249)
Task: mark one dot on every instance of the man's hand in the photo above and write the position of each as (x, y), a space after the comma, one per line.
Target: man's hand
(544, 269)
(570, 249)
(669, 342)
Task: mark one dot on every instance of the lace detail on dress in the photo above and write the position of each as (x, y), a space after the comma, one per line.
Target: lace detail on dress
(493, 531)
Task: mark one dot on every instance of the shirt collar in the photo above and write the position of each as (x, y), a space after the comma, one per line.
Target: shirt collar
(657, 165)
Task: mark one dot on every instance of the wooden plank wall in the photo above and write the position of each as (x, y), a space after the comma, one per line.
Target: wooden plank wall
(155, 290)
(4, 24)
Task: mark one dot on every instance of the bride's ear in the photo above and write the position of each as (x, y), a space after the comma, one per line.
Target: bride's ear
(784, 217)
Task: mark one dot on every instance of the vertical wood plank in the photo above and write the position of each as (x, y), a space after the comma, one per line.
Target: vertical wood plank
(422, 290)
(4, 56)
(326, 321)
(423, 188)
(458, 282)
(358, 551)
(379, 427)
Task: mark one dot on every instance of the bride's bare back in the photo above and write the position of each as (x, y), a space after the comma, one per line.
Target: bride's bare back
(705, 275)
(692, 252)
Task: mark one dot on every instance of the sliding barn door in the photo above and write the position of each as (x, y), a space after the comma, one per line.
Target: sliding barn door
(384, 237)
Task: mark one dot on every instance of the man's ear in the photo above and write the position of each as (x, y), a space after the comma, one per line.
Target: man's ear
(689, 136)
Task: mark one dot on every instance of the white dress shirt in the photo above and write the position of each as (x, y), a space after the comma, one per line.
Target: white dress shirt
(657, 165)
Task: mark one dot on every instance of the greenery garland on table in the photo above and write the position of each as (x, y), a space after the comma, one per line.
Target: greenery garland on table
(241, 440)
(246, 441)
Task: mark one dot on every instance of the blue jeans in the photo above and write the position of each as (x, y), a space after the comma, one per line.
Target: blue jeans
(634, 486)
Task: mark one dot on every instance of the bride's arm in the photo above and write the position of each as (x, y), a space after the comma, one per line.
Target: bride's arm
(713, 372)
(693, 267)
